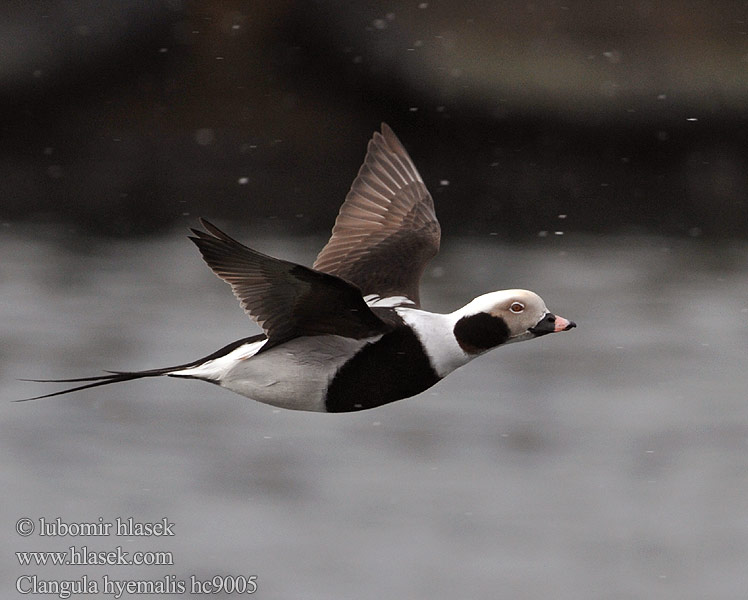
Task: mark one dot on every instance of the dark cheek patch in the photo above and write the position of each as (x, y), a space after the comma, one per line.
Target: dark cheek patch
(478, 333)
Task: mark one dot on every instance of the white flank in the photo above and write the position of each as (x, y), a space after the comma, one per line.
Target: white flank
(217, 368)
(295, 374)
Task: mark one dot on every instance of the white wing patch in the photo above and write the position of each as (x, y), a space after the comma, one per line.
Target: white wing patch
(389, 302)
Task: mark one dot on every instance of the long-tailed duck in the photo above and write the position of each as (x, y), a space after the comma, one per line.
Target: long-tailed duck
(349, 333)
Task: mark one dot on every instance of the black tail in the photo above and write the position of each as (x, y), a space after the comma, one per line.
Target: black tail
(118, 376)
(113, 377)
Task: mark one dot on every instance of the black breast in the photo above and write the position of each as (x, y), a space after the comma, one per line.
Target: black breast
(390, 369)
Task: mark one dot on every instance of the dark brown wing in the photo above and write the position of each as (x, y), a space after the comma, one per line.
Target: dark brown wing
(386, 230)
(287, 300)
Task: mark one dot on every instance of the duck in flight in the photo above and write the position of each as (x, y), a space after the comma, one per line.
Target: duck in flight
(349, 333)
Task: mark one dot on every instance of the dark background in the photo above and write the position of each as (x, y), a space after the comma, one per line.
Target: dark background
(125, 117)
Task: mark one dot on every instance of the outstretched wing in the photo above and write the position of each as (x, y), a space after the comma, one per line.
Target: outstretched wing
(386, 230)
(285, 299)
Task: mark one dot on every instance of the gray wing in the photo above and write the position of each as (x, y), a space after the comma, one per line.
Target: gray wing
(287, 300)
(386, 230)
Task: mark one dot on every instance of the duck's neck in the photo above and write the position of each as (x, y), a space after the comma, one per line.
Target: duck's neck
(436, 334)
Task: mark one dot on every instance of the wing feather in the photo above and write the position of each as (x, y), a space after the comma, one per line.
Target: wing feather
(386, 230)
(285, 299)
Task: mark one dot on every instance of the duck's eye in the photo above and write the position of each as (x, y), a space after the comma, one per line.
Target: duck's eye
(517, 307)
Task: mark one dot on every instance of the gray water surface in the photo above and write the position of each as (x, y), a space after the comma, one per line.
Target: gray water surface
(607, 462)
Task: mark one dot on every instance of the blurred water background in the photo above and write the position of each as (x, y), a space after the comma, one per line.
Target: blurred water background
(608, 462)
(596, 152)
